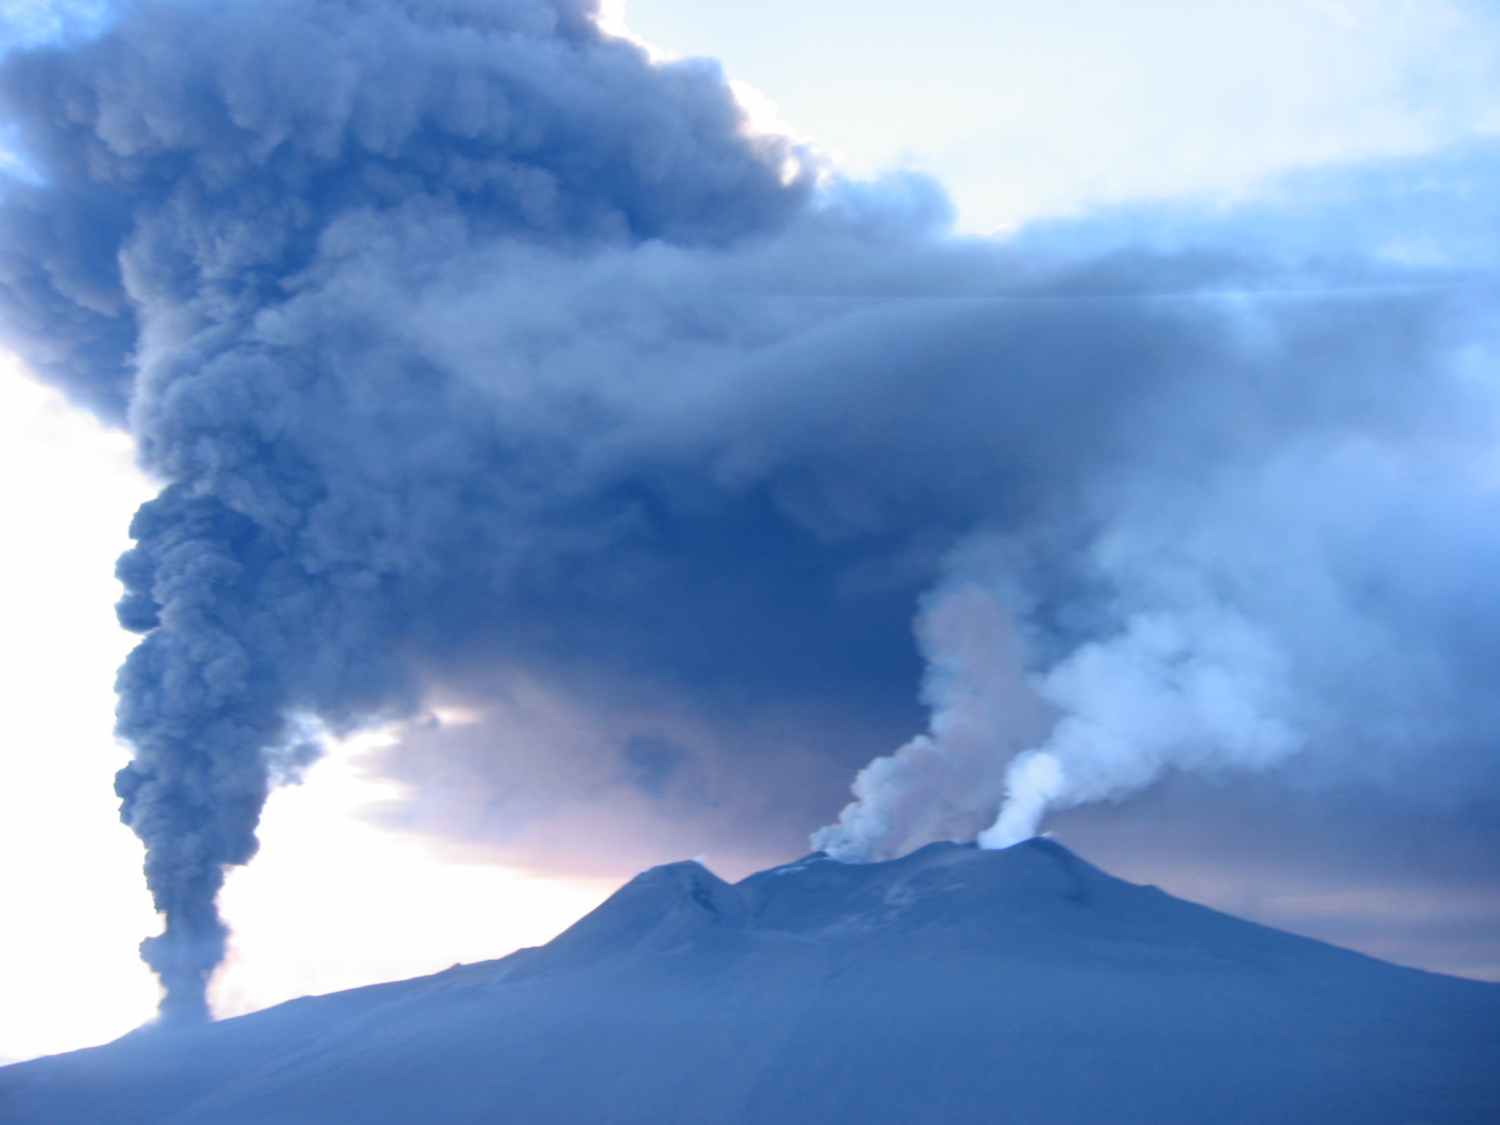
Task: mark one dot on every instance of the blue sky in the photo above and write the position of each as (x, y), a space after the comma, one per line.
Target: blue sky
(1026, 110)
(1069, 389)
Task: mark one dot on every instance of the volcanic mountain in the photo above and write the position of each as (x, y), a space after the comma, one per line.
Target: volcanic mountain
(951, 986)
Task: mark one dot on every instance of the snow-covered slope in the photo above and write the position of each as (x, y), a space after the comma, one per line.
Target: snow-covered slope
(951, 986)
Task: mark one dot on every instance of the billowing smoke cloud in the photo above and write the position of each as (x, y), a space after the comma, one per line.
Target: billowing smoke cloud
(1308, 589)
(465, 338)
(225, 211)
(984, 713)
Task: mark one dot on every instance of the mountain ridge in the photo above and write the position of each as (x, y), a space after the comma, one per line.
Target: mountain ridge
(951, 984)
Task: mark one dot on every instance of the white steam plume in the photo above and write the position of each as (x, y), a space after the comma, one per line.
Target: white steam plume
(1186, 683)
(946, 784)
(1199, 689)
(1035, 779)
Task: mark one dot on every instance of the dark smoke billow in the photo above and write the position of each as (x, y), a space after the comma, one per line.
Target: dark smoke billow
(463, 337)
(203, 175)
(231, 651)
(200, 710)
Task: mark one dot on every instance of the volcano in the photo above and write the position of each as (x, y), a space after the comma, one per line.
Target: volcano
(951, 986)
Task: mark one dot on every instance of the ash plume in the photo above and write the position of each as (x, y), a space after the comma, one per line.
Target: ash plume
(464, 337)
(208, 190)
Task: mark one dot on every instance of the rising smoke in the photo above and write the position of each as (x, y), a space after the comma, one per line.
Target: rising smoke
(223, 208)
(463, 336)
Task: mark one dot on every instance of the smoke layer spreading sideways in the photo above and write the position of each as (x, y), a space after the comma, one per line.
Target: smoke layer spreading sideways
(464, 336)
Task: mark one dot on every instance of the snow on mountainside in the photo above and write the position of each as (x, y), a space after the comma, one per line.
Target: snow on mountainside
(951, 986)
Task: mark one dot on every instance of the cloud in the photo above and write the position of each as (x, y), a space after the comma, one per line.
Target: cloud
(592, 775)
(219, 204)
(484, 358)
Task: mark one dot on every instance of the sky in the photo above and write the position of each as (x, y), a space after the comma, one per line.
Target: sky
(601, 485)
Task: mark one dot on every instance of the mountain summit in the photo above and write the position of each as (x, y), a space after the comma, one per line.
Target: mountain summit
(950, 986)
